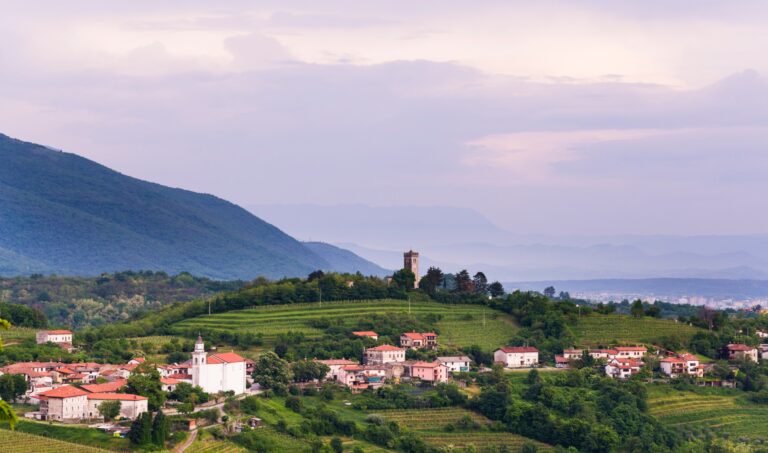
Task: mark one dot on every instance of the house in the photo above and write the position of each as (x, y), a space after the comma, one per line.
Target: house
(65, 403)
(606, 354)
(360, 377)
(220, 372)
(433, 372)
(334, 366)
(683, 365)
(137, 361)
(572, 354)
(131, 406)
(63, 338)
(623, 368)
(384, 354)
(562, 362)
(416, 340)
(168, 384)
(366, 334)
(109, 387)
(763, 348)
(455, 364)
(741, 352)
(630, 352)
(517, 356)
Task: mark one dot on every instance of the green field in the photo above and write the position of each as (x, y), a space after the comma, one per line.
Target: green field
(210, 445)
(460, 325)
(722, 410)
(15, 441)
(596, 330)
(77, 434)
(17, 334)
(430, 425)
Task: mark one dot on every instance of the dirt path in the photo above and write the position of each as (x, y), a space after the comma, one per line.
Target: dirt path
(187, 443)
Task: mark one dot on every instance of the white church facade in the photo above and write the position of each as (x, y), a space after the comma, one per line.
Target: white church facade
(218, 372)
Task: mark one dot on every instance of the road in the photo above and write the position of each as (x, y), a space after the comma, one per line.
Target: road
(187, 443)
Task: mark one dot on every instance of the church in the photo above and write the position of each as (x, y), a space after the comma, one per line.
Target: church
(219, 372)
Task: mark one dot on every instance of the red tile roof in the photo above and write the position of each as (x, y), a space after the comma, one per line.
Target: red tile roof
(225, 357)
(169, 381)
(106, 387)
(739, 347)
(518, 349)
(632, 348)
(139, 359)
(427, 364)
(413, 335)
(385, 347)
(365, 333)
(58, 332)
(560, 359)
(116, 396)
(65, 391)
(331, 362)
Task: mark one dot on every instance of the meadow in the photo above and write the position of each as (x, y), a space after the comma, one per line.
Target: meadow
(721, 410)
(459, 325)
(12, 441)
(602, 330)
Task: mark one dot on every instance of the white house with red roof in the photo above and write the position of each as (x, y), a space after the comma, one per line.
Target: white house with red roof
(334, 367)
(622, 367)
(366, 334)
(65, 403)
(630, 352)
(131, 406)
(682, 365)
(63, 338)
(218, 372)
(384, 354)
(517, 356)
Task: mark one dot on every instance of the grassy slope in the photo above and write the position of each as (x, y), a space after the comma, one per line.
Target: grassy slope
(723, 410)
(461, 325)
(19, 442)
(72, 433)
(595, 330)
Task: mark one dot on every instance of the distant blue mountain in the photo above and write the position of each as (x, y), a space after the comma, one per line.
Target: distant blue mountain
(61, 213)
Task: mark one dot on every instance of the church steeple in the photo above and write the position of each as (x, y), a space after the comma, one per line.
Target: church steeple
(199, 345)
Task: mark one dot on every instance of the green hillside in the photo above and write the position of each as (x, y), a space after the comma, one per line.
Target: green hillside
(63, 214)
(596, 330)
(459, 325)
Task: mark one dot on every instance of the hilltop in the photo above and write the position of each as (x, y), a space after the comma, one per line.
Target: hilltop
(64, 214)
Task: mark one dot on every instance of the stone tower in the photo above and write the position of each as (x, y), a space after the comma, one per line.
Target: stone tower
(411, 262)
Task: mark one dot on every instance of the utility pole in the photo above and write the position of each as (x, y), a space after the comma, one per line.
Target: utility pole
(321, 295)
(209, 306)
(409, 305)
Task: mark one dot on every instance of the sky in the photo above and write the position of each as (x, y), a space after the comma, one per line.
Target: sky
(551, 117)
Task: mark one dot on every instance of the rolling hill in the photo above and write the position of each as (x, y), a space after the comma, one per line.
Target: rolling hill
(64, 214)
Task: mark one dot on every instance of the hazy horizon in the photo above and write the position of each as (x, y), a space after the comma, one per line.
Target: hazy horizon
(586, 119)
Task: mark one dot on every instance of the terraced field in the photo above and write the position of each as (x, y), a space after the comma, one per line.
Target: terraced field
(15, 441)
(17, 334)
(430, 419)
(720, 410)
(596, 330)
(461, 325)
(214, 446)
(429, 424)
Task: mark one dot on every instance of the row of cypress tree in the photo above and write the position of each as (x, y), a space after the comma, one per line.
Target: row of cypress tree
(146, 429)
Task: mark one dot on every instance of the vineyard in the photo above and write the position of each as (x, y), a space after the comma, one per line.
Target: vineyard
(17, 334)
(214, 446)
(430, 424)
(13, 441)
(596, 330)
(460, 325)
(720, 410)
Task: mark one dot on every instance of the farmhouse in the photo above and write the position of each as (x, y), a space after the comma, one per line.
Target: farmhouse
(131, 406)
(455, 364)
(623, 368)
(220, 372)
(415, 340)
(335, 366)
(517, 356)
(385, 353)
(63, 338)
(366, 334)
(630, 352)
(433, 372)
(741, 352)
(683, 365)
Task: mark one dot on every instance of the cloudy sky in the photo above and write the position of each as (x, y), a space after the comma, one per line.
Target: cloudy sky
(557, 117)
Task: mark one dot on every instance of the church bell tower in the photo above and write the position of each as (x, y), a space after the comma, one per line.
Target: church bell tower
(411, 262)
(198, 360)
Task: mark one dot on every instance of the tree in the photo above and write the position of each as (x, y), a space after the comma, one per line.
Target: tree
(306, 370)
(161, 429)
(463, 282)
(7, 414)
(316, 275)
(496, 289)
(109, 409)
(336, 445)
(145, 381)
(432, 280)
(271, 371)
(654, 311)
(549, 291)
(637, 310)
(404, 279)
(141, 429)
(480, 281)
(12, 386)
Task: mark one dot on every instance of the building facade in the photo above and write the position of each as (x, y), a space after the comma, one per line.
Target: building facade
(384, 354)
(220, 372)
(517, 356)
(411, 262)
